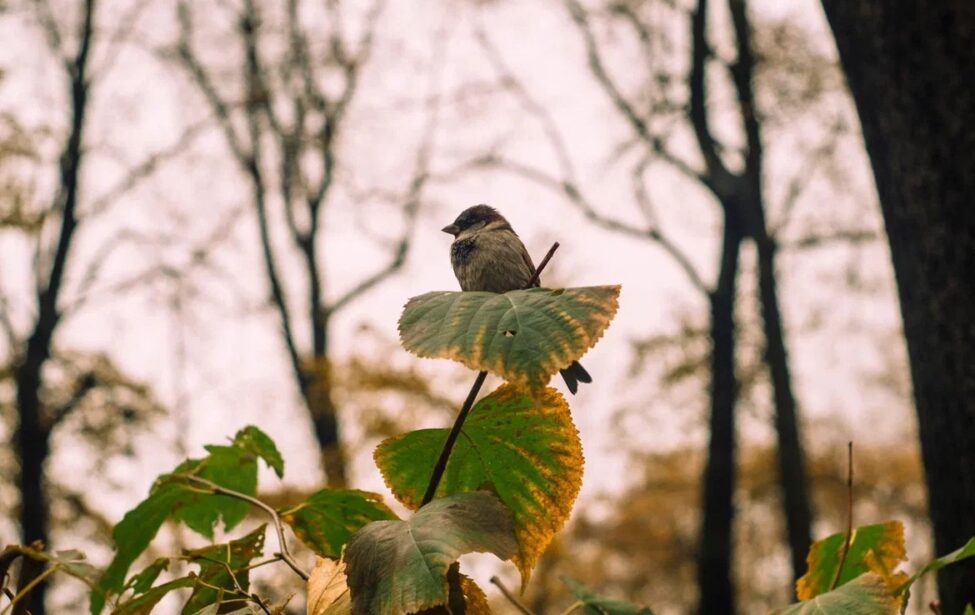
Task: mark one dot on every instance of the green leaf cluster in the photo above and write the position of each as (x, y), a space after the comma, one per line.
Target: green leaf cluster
(862, 575)
(195, 494)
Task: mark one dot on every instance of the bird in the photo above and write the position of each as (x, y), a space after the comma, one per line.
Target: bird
(487, 255)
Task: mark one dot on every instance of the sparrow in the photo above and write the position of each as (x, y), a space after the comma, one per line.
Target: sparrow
(487, 255)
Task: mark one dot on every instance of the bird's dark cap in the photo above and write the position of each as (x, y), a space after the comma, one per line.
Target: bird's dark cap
(471, 216)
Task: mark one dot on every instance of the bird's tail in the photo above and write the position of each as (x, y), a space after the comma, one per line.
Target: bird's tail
(573, 375)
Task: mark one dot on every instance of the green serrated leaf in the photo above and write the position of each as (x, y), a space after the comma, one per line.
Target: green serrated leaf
(228, 466)
(524, 448)
(964, 552)
(399, 567)
(875, 548)
(217, 562)
(328, 518)
(524, 336)
(868, 594)
(231, 466)
(593, 604)
(144, 603)
(252, 439)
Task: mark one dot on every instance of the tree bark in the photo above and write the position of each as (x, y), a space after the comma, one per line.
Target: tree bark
(33, 436)
(716, 587)
(910, 69)
(792, 468)
(324, 413)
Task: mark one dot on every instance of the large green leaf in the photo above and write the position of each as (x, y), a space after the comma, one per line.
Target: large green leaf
(172, 496)
(217, 562)
(399, 567)
(328, 518)
(524, 448)
(593, 604)
(524, 336)
(868, 594)
(873, 548)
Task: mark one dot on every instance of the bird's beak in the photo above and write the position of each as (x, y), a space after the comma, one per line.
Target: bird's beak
(451, 229)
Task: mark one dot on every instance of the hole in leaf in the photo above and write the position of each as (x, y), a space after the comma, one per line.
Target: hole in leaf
(509, 333)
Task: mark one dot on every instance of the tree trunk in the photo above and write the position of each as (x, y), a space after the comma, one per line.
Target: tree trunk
(32, 449)
(32, 436)
(910, 68)
(321, 405)
(715, 585)
(792, 470)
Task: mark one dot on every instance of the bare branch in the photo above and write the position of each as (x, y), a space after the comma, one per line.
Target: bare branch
(532, 106)
(797, 185)
(145, 169)
(717, 174)
(252, 164)
(7, 324)
(513, 599)
(51, 29)
(575, 197)
(414, 193)
(742, 71)
(200, 256)
(220, 108)
(120, 34)
(624, 106)
(822, 240)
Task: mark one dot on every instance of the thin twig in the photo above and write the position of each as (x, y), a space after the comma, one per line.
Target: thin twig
(511, 597)
(448, 446)
(849, 516)
(30, 587)
(572, 607)
(275, 518)
(538, 270)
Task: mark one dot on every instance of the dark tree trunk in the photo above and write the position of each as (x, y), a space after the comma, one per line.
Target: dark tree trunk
(33, 434)
(910, 68)
(32, 449)
(716, 587)
(324, 413)
(792, 470)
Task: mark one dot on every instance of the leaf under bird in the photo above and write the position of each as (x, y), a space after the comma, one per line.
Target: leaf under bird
(487, 255)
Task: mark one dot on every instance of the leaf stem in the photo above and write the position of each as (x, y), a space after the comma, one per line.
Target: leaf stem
(849, 515)
(511, 597)
(275, 518)
(448, 446)
(30, 586)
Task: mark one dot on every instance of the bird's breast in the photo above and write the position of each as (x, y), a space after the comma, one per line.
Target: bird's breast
(461, 250)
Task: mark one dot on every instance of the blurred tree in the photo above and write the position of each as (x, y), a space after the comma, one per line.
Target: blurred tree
(50, 386)
(909, 66)
(282, 114)
(675, 96)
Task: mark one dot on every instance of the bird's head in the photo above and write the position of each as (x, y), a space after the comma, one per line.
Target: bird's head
(473, 219)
